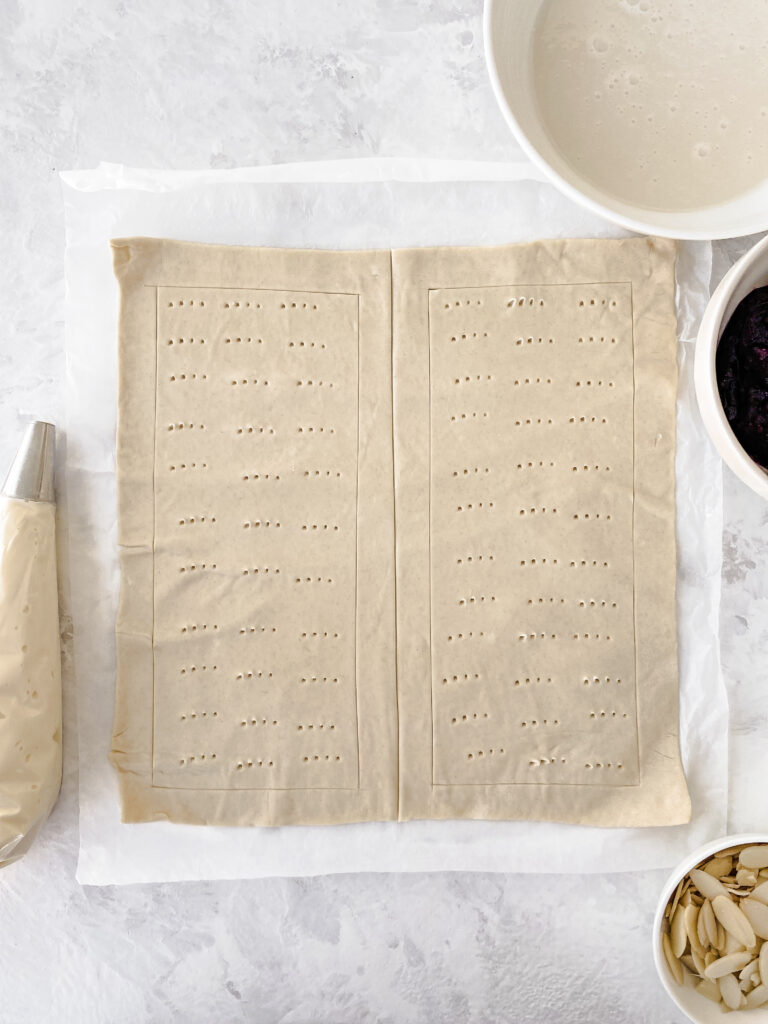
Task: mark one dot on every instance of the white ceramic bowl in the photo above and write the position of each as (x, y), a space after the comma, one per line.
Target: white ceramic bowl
(696, 1007)
(750, 272)
(508, 31)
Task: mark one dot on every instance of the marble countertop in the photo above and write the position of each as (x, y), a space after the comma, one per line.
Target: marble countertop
(221, 83)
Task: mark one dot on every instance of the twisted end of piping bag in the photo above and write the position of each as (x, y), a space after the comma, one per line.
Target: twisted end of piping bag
(31, 474)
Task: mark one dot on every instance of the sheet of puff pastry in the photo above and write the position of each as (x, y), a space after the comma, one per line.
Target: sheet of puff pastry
(256, 634)
(534, 396)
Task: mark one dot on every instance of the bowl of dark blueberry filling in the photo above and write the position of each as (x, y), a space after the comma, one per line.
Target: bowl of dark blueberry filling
(731, 368)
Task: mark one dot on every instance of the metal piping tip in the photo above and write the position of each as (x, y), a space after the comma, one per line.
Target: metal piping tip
(31, 474)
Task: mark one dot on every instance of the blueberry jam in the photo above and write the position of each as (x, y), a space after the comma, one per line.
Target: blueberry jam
(742, 374)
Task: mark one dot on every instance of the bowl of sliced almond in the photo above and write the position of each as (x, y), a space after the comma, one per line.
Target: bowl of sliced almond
(710, 937)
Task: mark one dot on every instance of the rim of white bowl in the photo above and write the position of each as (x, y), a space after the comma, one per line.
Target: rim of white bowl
(705, 373)
(604, 208)
(673, 880)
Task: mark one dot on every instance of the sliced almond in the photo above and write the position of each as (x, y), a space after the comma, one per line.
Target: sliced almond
(691, 926)
(732, 944)
(754, 857)
(763, 959)
(709, 990)
(733, 920)
(727, 965)
(675, 967)
(730, 991)
(698, 962)
(709, 957)
(745, 877)
(676, 899)
(688, 961)
(690, 980)
(731, 963)
(707, 885)
(757, 997)
(710, 922)
(760, 893)
(721, 933)
(677, 933)
(757, 915)
(749, 970)
(732, 851)
(707, 926)
(719, 866)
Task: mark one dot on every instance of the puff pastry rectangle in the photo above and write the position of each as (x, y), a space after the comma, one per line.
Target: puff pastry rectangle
(537, 659)
(256, 677)
(334, 610)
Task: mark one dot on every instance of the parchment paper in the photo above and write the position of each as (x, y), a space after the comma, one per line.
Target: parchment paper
(353, 205)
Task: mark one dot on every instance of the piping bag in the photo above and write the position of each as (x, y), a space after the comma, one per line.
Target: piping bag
(30, 653)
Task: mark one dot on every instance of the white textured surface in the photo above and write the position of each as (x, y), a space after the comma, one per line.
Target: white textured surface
(229, 83)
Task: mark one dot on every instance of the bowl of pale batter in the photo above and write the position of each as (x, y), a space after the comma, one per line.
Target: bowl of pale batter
(653, 113)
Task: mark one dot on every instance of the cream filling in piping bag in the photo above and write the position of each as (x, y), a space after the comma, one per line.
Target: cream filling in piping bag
(30, 657)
